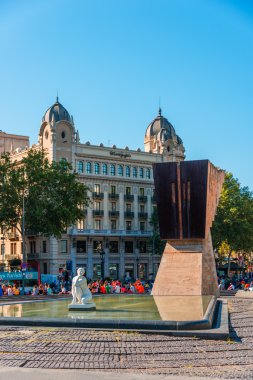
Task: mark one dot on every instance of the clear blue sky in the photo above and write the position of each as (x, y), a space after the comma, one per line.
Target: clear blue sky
(111, 60)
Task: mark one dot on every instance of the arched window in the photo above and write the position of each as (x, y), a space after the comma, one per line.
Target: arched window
(104, 169)
(148, 173)
(97, 168)
(141, 172)
(134, 172)
(127, 171)
(88, 167)
(120, 170)
(80, 167)
(112, 169)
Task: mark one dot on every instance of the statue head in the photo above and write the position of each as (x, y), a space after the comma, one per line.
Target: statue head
(80, 271)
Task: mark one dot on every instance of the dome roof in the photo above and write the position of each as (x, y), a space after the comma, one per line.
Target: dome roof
(162, 129)
(56, 112)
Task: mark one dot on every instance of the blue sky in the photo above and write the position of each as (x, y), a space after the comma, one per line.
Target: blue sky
(112, 60)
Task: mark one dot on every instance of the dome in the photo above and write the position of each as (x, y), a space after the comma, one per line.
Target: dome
(160, 127)
(56, 112)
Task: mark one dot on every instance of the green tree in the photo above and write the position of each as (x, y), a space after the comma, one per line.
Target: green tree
(158, 245)
(51, 194)
(233, 223)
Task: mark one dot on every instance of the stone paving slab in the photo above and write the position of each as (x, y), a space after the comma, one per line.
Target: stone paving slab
(121, 354)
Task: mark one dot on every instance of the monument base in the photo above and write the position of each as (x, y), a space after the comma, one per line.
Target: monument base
(187, 268)
(82, 307)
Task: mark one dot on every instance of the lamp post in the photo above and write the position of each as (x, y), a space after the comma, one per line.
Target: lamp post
(24, 259)
(102, 257)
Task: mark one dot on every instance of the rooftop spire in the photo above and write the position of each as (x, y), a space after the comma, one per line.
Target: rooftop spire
(57, 98)
(160, 111)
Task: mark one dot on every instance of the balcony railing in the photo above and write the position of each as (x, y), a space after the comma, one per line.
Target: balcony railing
(114, 214)
(98, 212)
(13, 236)
(129, 197)
(143, 215)
(129, 214)
(93, 232)
(142, 198)
(113, 196)
(96, 195)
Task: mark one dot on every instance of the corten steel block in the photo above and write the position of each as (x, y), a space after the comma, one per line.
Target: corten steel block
(187, 196)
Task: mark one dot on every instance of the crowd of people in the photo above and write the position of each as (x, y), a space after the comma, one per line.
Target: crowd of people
(243, 283)
(96, 287)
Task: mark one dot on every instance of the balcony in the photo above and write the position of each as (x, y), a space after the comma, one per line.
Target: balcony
(113, 197)
(143, 215)
(92, 232)
(142, 198)
(13, 236)
(113, 214)
(129, 197)
(129, 214)
(99, 196)
(98, 213)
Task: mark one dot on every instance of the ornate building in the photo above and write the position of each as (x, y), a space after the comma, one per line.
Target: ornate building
(115, 236)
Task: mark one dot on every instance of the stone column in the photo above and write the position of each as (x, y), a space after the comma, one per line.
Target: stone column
(121, 259)
(89, 273)
(53, 250)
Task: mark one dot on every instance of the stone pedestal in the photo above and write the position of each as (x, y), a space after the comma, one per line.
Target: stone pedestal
(187, 268)
(82, 307)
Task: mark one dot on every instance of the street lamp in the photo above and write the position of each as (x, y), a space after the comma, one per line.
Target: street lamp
(102, 257)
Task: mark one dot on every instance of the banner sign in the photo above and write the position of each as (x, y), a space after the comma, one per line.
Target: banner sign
(12, 276)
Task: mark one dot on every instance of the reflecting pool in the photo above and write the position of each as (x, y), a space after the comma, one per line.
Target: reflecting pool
(123, 307)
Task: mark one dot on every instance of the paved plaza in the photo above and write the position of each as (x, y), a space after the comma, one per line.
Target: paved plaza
(123, 353)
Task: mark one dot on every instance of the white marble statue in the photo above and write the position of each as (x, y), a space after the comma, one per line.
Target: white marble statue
(80, 291)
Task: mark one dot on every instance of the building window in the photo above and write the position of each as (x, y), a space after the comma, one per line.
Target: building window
(88, 167)
(114, 271)
(45, 268)
(113, 225)
(113, 206)
(129, 247)
(128, 207)
(148, 174)
(64, 246)
(97, 224)
(80, 167)
(134, 172)
(97, 168)
(80, 224)
(113, 189)
(141, 191)
(13, 248)
(128, 172)
(128, 225)
(143, 247)
(97, 206)
(32, 246)
(128, 190)
(141, 172)
(120, 170)
(96, 271)
(112, 170)
(97, 245)
(104, 169)
(142, 209)
(97, 188)
(113, 247)
(142, 226)
(44, 246)
(80, 246)
(2, 249)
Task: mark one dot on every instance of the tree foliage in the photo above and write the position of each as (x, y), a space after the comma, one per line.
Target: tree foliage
(234, 219)
(53, 197)
(158, 245)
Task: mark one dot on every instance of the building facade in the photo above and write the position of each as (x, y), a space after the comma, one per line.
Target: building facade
(115, 237)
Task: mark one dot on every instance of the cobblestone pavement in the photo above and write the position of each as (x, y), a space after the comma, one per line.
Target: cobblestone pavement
(135, 352)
